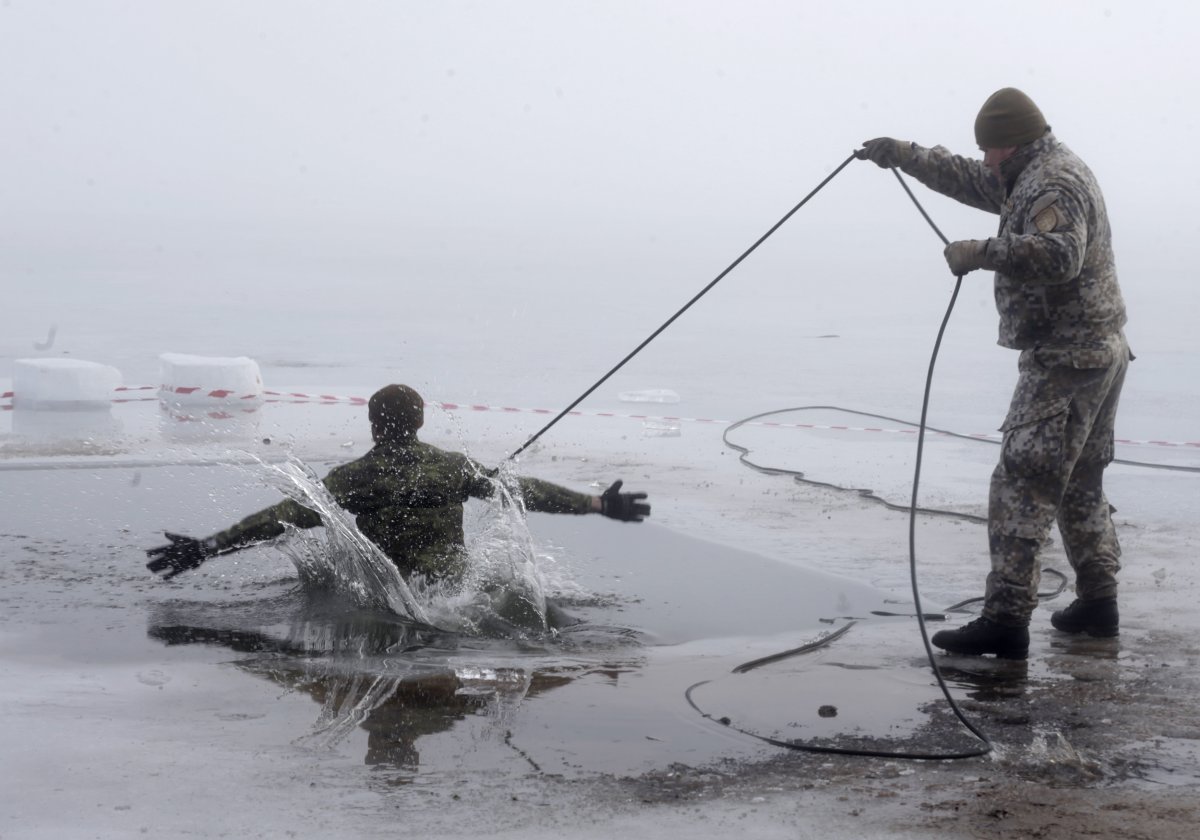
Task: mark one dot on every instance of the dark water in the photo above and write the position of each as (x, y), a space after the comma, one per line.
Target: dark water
(237, 659)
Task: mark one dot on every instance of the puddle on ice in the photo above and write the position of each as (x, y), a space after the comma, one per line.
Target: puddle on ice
(245, 654)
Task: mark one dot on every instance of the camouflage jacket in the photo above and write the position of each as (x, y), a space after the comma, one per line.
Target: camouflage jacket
(407, 497)
(1056, 282)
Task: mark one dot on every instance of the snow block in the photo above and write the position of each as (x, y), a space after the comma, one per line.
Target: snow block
(63, 383)
(192, 380)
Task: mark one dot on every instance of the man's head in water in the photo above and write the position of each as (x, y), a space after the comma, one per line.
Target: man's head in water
(396, 412)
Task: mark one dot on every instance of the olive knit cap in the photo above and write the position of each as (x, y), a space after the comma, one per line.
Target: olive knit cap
(395, 411)
(1008, 118)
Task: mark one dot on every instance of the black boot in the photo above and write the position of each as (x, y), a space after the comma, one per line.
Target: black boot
(985, 636)
(1096, 618)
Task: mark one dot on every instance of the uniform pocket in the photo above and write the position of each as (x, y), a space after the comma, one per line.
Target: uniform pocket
(1092, 358)
(1079, 358)
(1035, 438)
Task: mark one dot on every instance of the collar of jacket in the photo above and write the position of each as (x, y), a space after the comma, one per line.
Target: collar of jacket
(397, 442)
(1012, 168)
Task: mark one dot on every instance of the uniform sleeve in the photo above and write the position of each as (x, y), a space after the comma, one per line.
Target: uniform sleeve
(477, 479)
(545, 497)
(536, 494)
(1052, 245)
(963, 179)
(266, 524)
(346, 484)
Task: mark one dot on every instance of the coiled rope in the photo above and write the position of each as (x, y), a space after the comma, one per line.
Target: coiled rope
(985, 744)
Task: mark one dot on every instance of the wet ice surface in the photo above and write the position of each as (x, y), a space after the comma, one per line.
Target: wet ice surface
(227, 700)
(501, 234)
(118, 687)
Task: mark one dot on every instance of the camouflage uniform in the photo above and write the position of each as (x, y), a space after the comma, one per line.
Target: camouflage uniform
(407, 497)
(1060, 305)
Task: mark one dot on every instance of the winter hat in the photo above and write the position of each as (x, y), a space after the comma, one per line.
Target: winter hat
(1008, 118)
(395, 411)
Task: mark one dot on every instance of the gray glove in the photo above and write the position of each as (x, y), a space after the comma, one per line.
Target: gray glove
(966, 255)
(885, 152)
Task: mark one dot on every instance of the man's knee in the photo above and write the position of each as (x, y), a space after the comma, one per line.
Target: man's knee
(1022, 508)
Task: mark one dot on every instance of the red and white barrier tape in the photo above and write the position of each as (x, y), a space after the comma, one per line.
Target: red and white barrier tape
(329, 399)
(326, 399)
(773, 424)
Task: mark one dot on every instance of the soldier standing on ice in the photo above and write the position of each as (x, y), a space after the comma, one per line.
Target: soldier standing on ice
(1061, 307)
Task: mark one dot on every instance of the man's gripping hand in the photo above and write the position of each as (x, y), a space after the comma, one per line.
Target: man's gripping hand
(966, 255)
(885, 152)
(627, 507)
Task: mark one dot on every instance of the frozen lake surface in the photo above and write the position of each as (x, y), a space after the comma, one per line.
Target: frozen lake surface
(233, 700)
(494, 203)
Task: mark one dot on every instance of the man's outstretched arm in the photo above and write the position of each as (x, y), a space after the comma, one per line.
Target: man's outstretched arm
(182, 553)
(547, 497)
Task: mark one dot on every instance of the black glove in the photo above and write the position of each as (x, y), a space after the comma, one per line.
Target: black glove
(628, 507)
(885, 152)
(181, 555)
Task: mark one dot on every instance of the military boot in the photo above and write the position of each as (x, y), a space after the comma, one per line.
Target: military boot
(1096, 618)
(985, 636)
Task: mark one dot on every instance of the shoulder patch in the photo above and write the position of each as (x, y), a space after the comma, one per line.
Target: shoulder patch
(1045, 212)
(1048, 219)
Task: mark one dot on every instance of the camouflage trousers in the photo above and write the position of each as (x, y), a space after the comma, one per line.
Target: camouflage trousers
(1058, 439)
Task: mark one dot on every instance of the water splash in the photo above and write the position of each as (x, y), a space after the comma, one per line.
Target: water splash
(502, 557)
(502, 592)
(346, 561)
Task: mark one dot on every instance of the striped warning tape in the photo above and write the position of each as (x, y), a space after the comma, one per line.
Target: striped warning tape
(330, 399)
(280, 396)
(778, 425)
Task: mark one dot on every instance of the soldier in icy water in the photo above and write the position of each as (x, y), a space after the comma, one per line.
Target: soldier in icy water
(407, 497)
(1060, 306)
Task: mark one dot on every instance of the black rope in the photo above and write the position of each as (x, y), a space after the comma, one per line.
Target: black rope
(830, 750)
(681, 310)
(799, 476)
(870, 494)
(787, 654)
(867, 493)
(986, 744)
(913, 508)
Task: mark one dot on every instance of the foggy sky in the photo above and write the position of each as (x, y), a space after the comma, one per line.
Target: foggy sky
(638, 145)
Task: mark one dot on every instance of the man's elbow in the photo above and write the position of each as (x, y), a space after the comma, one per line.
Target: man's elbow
(1058, 263)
